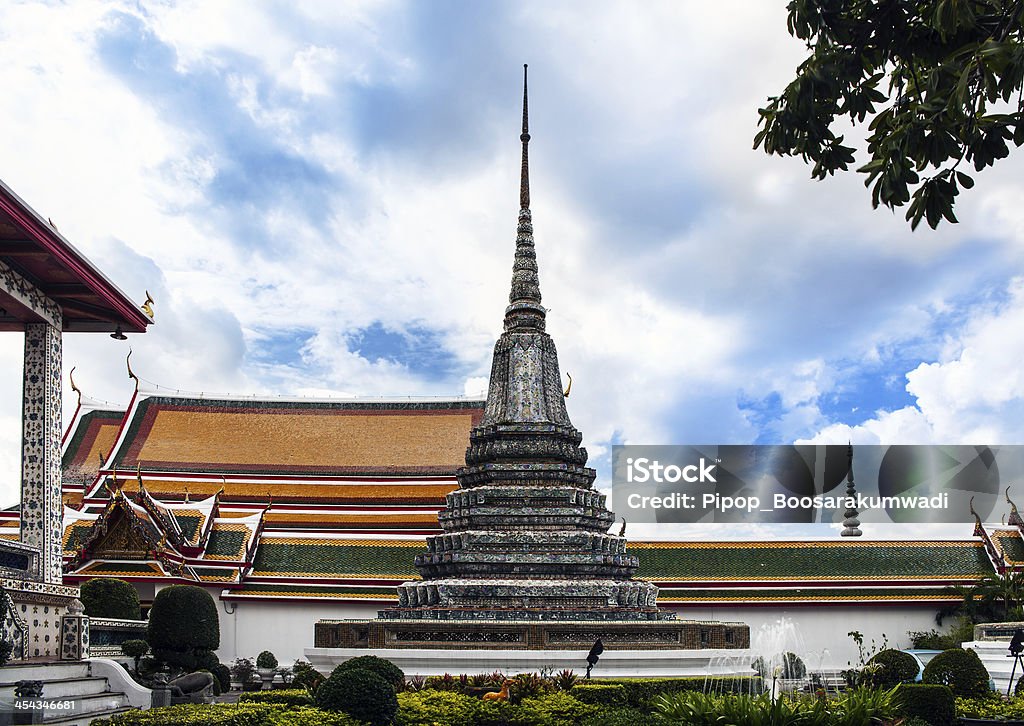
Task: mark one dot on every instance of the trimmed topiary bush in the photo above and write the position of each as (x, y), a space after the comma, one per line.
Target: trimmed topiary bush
(135, 649)
(306, 676)
(266, 660)
(383, 668)
(108, 597)
(360, 693)
(961, 670)
(932, 703)
(184, 628)
(223, 675)
(897, 667)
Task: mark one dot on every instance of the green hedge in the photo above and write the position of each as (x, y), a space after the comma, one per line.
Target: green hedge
(108, 597)
(284, 696)
(424, 708)
(222, 714)
(641, 691)
(929, 702)
(212, 714)
(610, 694)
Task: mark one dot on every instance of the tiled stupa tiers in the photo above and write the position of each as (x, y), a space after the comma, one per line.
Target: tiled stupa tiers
(526, 537)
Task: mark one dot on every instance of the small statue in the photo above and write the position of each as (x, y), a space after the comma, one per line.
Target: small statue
(195, 686)
(501, 695)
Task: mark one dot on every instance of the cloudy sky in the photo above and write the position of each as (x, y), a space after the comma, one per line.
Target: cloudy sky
(322, 199)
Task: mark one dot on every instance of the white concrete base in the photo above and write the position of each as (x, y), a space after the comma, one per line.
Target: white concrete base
(993, 654)
(613, 663)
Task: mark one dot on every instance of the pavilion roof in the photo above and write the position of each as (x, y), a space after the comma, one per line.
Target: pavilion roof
(31, 245)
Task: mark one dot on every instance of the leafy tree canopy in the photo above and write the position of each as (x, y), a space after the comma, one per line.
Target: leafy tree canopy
(939, 82)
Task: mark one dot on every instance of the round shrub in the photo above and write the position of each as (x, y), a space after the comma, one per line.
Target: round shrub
(961, 670)
(359, 693)
(184, 627)
(383, 668)
(897, 667)
(135, 649)
(929, 703)
(306, 676)
(266, 659)
(107, 597)
(223, 675)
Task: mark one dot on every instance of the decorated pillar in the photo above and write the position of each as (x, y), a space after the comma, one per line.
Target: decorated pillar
(41, 503)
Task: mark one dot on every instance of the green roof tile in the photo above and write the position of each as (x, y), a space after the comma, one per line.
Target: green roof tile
(812, 560)
(323, 557)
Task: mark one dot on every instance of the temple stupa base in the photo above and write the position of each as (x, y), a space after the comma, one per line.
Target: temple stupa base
(636, 663)
(530, 634)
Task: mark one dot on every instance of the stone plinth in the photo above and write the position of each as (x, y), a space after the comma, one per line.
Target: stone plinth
(530, 634)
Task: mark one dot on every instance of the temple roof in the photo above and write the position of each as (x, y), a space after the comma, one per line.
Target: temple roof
(91, 435)
(308, 438)
(311, 528)
(31, 246)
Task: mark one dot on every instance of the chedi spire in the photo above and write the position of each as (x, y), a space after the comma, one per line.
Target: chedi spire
(524, 311)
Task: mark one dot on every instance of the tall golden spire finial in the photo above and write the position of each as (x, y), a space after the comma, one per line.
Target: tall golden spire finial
(131, 373)
(71, 377)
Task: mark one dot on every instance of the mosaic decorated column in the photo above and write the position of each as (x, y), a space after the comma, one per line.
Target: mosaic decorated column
(40, 458)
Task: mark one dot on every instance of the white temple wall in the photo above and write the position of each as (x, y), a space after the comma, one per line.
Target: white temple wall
(285, 628)
(818, 633)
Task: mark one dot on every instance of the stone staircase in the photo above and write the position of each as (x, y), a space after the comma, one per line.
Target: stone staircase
(73, 694)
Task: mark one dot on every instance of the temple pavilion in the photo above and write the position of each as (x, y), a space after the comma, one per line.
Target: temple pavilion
(294, 511)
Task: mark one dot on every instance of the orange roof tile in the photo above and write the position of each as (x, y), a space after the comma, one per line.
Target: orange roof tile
(253, 436)
(94, 434)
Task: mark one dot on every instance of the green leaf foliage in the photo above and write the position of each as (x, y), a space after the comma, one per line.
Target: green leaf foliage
(107, 597)
(991, 707)
(266, 659)
(306, 676)
(360, 693)
(383, 668)
(285, 696)
(241, 714)
(184, 627)
(938, 83)
(933, 704)
(424, 708)
(961, 670)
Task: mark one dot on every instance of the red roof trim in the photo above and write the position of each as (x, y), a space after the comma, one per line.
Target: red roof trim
(129, 316)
